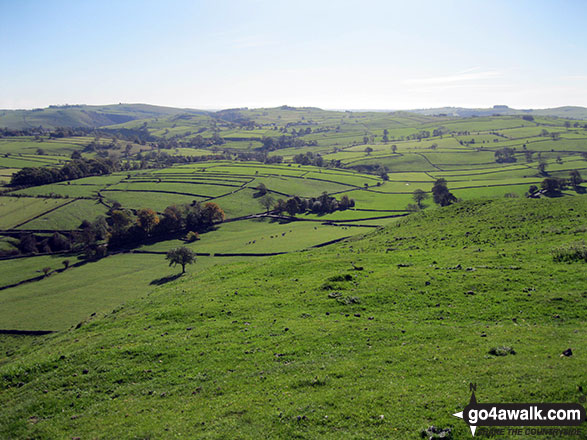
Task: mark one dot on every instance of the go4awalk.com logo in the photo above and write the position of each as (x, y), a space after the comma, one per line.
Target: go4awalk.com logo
(523, 414)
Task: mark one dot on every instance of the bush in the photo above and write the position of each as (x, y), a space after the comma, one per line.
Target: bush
(192, 236)
(570, 253)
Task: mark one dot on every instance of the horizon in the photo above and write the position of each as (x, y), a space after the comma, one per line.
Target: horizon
(218, 109)
(260, 54)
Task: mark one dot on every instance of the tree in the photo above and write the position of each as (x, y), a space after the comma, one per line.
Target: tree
(65, 264)
(368, 150)
(345, 203)
(505, 155)
(181, 256)
(147, 219)
(280, 206)
(261, 190)
(46, 271)
(552, 185)
(442, 196)
(394, 148)
(419, 196)
(292, 206)
(267, 202)
(27, 244)
(59, 242)
(212, 213)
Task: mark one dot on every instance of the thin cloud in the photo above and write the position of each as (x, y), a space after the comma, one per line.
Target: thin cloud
(468, 75)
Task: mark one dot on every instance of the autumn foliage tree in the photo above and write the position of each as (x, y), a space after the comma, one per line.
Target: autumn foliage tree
(147, 219)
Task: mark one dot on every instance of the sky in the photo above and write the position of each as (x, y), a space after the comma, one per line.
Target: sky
(263, 53)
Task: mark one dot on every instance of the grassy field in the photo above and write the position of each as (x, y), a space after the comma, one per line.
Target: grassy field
(305, 345)
(18, 210)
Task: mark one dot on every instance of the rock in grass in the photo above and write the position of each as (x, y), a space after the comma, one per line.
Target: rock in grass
(568, 352)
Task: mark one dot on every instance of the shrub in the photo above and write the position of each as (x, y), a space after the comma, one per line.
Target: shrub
(571, 252)
(192, 236)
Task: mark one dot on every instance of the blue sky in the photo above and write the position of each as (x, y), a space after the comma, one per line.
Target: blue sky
(331, 54)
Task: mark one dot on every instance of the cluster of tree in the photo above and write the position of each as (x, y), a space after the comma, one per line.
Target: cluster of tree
(124, 228)
(323, 204)
(258, 156)
(137, 135)
(554, 135)
(505, 155)
(552, 186)
(439, 131)
(420, 135)
(281, 142)
(315, 159)
(72, 170)
(29, 243)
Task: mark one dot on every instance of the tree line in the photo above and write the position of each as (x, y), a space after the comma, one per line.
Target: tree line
(324, 204)
(75, 169)
(121, 228)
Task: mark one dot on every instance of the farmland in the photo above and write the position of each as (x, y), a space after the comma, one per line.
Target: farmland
(262, 270)
(376, 159)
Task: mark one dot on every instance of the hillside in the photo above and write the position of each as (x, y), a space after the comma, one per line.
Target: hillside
(160, 118)
(88, 116)
(572, 112)
(374, 337)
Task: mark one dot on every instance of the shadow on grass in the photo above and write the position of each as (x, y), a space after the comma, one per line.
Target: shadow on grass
(163, 280)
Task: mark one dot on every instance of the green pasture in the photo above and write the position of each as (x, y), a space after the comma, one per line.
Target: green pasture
(153, 200)
(69, 216)
(261, 236)
(196, 189)
(21, 269)
(16, 210)
(63, 299)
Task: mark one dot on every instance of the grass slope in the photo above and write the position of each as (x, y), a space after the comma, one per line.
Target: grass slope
(305, 346)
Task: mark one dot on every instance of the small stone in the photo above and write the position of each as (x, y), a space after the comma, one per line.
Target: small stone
(568, 352)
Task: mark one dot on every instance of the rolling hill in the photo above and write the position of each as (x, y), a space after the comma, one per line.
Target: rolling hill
(88, 116)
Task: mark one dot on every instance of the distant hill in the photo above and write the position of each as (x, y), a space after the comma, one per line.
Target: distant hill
(85, 115)
(134, 115)
(569, 112)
